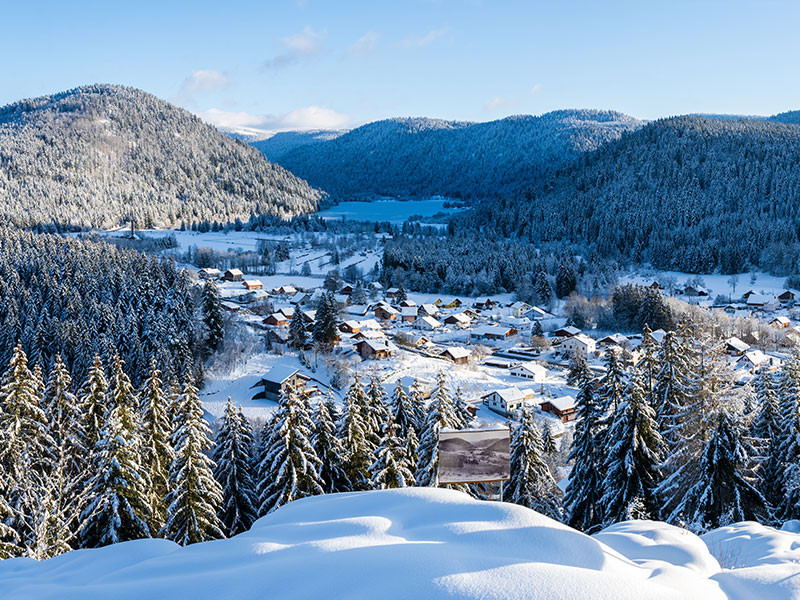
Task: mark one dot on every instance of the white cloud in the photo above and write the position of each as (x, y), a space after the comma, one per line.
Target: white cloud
(301, 45)
(497, 103)
(198, 82)
(536, 89)
(424, 40)
(363, 45)
(310, 117)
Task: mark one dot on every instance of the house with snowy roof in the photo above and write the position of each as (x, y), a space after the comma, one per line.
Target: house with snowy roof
(529, 370)
(736, 347)
(508, 401)
(457, 354)
(376, 349)
(563, 407)
(427, 323)
(279, 377)
(580, 343)
(461, 320)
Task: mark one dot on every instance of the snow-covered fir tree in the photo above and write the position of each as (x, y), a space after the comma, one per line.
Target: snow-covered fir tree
(724, 492)
(27, 451)
(297, 330)
(325, 321)
(634, 451)
(418, 409)
(402, 409)
(290, 459)
(212, 315)
(330, 451)
(441, 415)
(353, 431)
(118, 508)
(93, 402)
(549, 446)
(234, 471)
(578, 367)
(611, 386)
(377, 411)
(766, 429)
(157, 451)
(391, 468)
(531, 482)
(460, 407)
(585, 489)
(195, 496)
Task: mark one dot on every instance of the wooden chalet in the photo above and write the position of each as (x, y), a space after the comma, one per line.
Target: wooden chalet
(275, 382)
(233, 275)
(563, 408)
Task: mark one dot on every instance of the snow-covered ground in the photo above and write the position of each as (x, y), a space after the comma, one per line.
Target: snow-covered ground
(429, 544)
(718, 285)
(392, 211)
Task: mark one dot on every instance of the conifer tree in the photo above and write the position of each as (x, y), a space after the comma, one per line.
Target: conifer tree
(548, 441)
(325, 321)
(212, 316)
(376, 412)
(415, 394)
(27, 451)
(234, 471)
(157, 451)
(648, 362)
(117, 510)
(585, 489)
(611, 384)
(330, 451)
(565, 278)
(724, 493)
(402, 410)
(441, 415)
(297, 330)
(195, 496)
(578, 367)
(463, 416)
(93, 404)
(766, 428)
(531, 482)
(353, 433)
(391, 468)
(290, 458)
(634, 451)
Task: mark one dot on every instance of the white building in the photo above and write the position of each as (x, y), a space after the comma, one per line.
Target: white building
(519, 309)
(529, 370)
(578, 343)
(427, 323)
(506, 402)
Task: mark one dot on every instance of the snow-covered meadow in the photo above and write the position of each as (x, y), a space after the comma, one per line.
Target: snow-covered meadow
(424, 543)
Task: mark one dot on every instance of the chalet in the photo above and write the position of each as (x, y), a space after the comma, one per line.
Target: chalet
(523, 324)
(384, 312)
(761, 302)
(408, 304)
(615, 339)
(756, 360)
(654, 285)
(539, 314)
(278, 379)
(392, 292)
(456, 303)
(342, 300)
(376, 350)
(278, 337)
(285, 290)
(346, 289)
(487, 304)
(748, 293)
(736, 347)
(780, 322)
(529, 370)
(370, 324)
(230, 306)
(730, 309)
(563, 408)
(412, 340)
(658, 335)
(458, 355)
(578, 343)
(276, 320)
(493, 332)
(568, 331)
(408, 314)
(786, 297)
(695, 291)
(301, 299)
(520, 309)
(309, 316)
(458, 320)
(376, 286)
(287, 311)
(359, 310)
(233, 275)
(369, 334)
(252, 284)
(350, 326)
(427, 323)
(506, 402)
(209, 273)
(430, 310)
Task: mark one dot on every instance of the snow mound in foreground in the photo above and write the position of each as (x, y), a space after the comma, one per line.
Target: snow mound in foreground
(427, 544)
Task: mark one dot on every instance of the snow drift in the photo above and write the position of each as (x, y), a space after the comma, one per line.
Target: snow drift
(425, 543)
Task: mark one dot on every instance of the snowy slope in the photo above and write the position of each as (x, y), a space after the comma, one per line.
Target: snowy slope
(420, 543)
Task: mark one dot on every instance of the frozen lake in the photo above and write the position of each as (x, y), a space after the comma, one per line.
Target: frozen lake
(393, 211)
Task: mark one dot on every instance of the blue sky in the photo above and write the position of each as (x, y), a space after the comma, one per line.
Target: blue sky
(308, 63)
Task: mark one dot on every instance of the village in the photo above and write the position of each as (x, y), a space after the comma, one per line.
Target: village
(499, 354)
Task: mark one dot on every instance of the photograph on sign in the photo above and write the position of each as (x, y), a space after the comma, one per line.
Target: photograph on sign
(474, 455)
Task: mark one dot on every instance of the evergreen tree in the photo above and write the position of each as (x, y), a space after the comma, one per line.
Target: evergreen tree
(234, 472)
(634, 451)
(353, 433)
(376, 412)
(117, 510)
(93, 404)
(724, 493)
(611, 384)
(297, 330)
(402, 410)
(212, 315)
(766, 428)
(565, 278)
(441, 415)
(541, 285)
(548, 441)
(391, 468)
(157, 451)
(585, 488)
(27, 448)
(578, 367)
(531, 482)
(290, 458)
(195, 496)
(330, 451)
(648, 364)
(417, 405)
(461, 409)
(325, 323)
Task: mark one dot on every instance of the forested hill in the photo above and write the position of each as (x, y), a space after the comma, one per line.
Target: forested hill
(99, 154)
(688, 193)
(285, 141)
(423, 157)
